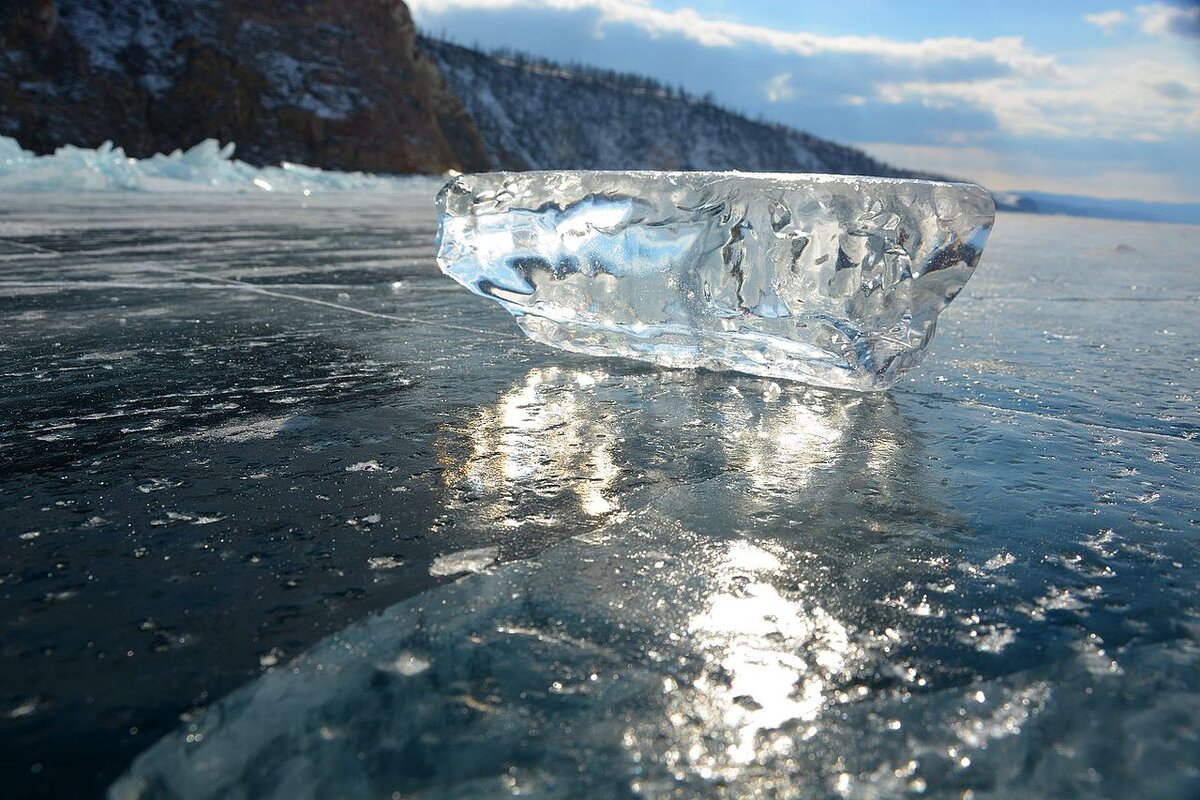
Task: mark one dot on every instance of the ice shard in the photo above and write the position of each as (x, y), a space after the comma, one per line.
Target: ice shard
(830, 280)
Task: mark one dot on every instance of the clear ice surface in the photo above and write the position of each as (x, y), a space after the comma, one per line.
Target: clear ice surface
(830, 280)
(706, 585)
(208, 166)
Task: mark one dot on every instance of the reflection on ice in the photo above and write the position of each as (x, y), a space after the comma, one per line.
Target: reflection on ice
(537, 435)
(769, 656)
(772, 655)
(570, 442)
(784, 616)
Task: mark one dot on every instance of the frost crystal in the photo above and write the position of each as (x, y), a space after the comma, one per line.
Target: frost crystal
(825, 279)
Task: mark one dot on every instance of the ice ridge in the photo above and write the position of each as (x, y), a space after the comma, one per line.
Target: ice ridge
(208, 166)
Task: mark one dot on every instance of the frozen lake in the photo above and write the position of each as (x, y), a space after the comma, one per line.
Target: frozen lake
(242, 430)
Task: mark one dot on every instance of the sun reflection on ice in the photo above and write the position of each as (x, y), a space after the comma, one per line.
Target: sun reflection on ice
(785, 445)
(748, 629)
(770, 660)
(766, 646)
(541, 436)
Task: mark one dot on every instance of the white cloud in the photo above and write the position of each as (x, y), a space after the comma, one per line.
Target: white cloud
(1008, 52)
(1106, 21)
(1123, 94)
(1130, 95)
(780, 88)
(1160, 19)
(1010, 170)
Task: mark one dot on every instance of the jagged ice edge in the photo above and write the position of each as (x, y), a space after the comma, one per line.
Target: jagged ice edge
(208, 166)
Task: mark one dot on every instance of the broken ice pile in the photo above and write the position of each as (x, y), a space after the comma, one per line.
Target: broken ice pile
(830, 280)
(207, 166)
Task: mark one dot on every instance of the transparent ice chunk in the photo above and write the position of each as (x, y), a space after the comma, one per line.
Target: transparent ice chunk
(830, 280)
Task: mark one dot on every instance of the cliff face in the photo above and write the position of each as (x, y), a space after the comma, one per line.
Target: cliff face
(349, 85)
(322, 82)
(539, 115)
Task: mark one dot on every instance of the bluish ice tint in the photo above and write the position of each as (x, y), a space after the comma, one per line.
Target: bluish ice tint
(804, 608)
(364, 539)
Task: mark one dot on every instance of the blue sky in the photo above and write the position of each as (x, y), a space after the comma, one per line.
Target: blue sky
(1088, 98)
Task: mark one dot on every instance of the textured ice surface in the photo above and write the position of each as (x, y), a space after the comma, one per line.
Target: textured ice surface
(805, 608)
(207, 166)
(236, 425)
(829, 280)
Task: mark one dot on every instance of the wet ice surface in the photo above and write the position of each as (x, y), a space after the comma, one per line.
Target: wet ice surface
(235, 427)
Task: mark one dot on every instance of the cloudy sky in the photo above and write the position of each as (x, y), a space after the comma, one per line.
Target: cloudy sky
(1088, 98)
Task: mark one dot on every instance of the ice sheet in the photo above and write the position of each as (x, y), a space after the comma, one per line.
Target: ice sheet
(803, 610)
(236, 426)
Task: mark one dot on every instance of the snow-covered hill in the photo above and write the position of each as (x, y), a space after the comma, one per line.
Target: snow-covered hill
(535, 114)
(349, 87)
(327, 83)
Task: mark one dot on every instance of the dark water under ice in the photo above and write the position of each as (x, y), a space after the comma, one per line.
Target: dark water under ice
(236, 432)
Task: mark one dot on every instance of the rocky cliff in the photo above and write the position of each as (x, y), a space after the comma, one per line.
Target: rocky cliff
(535, 114)
(323, 82)
(349, 85)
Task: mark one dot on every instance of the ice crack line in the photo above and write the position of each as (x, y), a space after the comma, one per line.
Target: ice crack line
(1069, 299)
(1097, 426)
(249, 287)
(33, 248)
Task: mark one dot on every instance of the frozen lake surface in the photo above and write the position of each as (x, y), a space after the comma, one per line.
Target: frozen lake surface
(265, 469)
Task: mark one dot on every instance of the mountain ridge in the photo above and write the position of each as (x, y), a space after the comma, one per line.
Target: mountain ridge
(1075, 205)
(357, 87)
(535, 113)
(339, 86)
